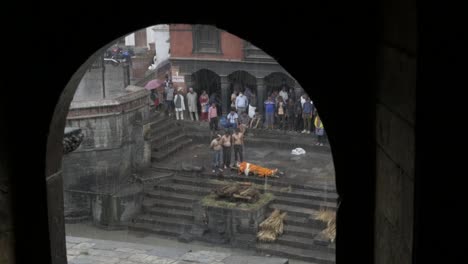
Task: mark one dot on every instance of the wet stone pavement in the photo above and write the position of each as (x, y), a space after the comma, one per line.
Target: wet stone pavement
(82, 250)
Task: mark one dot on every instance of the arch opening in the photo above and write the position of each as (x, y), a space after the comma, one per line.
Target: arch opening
(106, 179)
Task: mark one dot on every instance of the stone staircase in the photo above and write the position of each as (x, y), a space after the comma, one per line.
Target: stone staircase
(171, 195)
(167, 137)
(168, 211)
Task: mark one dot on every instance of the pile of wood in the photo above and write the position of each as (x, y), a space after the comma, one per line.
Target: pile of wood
(238, 191)
(272, 227)
(328, 217)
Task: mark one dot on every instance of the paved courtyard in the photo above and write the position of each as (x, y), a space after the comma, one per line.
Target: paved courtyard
(82, 250)
(89, 244)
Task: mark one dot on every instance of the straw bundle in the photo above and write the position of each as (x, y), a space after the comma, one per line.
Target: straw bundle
(272, 227)
(328, 217)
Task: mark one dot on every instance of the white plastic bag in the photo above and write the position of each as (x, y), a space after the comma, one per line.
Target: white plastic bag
(298, 151)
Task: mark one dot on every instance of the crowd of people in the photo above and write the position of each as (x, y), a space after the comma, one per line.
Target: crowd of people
(282, 111)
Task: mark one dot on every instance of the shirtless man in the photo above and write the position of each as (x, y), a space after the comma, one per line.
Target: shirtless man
(217, 147)
(226, 141)
(238, 141)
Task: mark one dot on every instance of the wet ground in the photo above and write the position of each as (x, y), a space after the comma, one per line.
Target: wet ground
(311, 168)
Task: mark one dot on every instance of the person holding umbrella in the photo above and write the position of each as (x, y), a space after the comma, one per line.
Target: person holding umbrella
(152, 86)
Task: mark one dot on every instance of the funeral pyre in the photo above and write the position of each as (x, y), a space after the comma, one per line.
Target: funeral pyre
(272, 227)
(244, 191)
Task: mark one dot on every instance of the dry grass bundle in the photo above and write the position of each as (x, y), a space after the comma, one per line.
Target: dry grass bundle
(272, 227)
(328, 217)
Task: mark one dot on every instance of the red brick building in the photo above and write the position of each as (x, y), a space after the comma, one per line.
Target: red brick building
(207, 58)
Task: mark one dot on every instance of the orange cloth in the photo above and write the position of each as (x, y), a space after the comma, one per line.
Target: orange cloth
(256, 170)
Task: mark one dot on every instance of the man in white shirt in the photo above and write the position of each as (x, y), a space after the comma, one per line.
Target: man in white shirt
(232, 119)
(241, 103)
(284, 94)
(192, 104)
(179, 105)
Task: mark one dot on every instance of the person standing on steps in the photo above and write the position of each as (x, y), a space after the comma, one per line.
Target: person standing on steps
(269, 112)
(192, 104)
(319, 130)
(204, 105)
(238, 140)
(179, 105)
(213, 118)
(216, 146)
(169, 98)
(226, 141)
(290, 114)
(241, 103)
(307, 115)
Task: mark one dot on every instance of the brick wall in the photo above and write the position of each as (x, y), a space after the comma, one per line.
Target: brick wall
(182, 44)
(395, 135)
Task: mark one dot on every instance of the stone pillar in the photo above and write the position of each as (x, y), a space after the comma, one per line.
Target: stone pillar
(261, 94)
(224, 93)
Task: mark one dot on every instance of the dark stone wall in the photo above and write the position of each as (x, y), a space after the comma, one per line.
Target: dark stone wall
(113, 148)
(395, 135)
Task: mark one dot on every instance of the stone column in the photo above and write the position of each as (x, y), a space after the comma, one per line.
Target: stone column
(261, 94)
(224, 93)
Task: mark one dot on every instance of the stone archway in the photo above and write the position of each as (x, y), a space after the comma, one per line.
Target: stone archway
(240, 81)
(276, 80)
(209, 81)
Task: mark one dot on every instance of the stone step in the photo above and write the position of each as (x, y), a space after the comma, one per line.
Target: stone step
(184, 189)
(305, 203)
(322, 195)
(279, 192)
(168, 143)
(294, 210)
(311, 255)
(296, 221)
(156, 117)
(300, 231)
(324, 189)
(172, 213)
(151, 176)
(163, 221)
(167, 204)
(162, 133)
(156, 229)
(301, 242)
(173, 196)
(159, 156)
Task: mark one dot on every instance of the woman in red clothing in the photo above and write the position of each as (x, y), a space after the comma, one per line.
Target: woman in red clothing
(204, 106)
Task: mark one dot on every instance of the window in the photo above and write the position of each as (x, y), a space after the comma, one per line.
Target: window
(206, 39)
